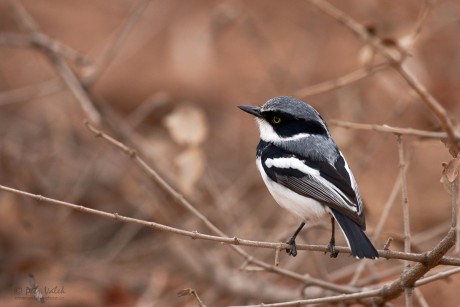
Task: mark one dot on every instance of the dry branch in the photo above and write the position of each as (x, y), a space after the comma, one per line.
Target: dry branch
(64, 70)
(343, 298)
(120, 38)
(422, 258)
(30, 92)
(437, 276)
(405, 210)
(192, 292)
(427, 6)
(380, 294)
(233, 241)
(389, 129)
(396, 59)
(409, 278)
(347, 79)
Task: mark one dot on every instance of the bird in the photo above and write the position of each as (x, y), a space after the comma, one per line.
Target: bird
(307, 174)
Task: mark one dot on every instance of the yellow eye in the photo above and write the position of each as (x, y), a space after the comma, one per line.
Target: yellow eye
(276, 119)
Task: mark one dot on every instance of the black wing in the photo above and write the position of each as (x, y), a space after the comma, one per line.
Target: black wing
(315, 179)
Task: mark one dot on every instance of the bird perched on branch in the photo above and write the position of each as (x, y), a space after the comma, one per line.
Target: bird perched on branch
(306, 173)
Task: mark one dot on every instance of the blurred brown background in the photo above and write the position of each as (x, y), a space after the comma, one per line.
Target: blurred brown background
(185, 66)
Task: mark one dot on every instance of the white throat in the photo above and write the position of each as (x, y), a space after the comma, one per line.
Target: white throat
(268, 134)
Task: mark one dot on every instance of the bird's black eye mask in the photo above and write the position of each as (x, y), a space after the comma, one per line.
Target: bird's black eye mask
(287, 125)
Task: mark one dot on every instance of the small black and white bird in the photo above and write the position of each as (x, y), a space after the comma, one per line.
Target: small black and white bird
(306, 173)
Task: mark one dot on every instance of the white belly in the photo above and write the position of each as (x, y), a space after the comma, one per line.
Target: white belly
(306, 208)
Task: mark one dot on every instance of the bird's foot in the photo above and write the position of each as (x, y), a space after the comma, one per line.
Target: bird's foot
(292, 251)
(332, 250)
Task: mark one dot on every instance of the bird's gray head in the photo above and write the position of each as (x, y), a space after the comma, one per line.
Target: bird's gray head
(285, 119)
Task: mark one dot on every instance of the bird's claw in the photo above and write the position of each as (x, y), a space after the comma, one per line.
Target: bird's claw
(292, 251)
(332, 250)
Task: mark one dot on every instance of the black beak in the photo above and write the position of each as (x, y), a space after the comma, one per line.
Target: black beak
(251, 110)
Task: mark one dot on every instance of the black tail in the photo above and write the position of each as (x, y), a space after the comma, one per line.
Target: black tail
(359, 243)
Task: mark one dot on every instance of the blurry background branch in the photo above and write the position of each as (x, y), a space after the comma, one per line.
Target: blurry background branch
(386, 293)
(120, 38)
(396, 59)
(232, 241)
(30, 92)
(335, 84)
(167, 77)
(388, 129)
(53, 51)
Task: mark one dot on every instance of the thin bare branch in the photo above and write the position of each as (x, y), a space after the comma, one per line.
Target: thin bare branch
(30, 92)
(334, 84)
(404, 196)
(454, 204)
(389, 129)
(454, 201)
(436, 108)
(181, 199)
(61, 66)
(184, 202)
(427, 6)
(120, 38)
(378, 229)
(396, 58)
(154, 175)
(420, 298)
(323, 300)
(410, 276)
(43, 41)
(393, 55)
(437, 276)
(232, 241)
(193, 292)
(15, 40)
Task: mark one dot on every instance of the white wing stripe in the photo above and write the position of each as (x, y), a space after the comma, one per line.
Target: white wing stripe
(291, 163)
(324, 185)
